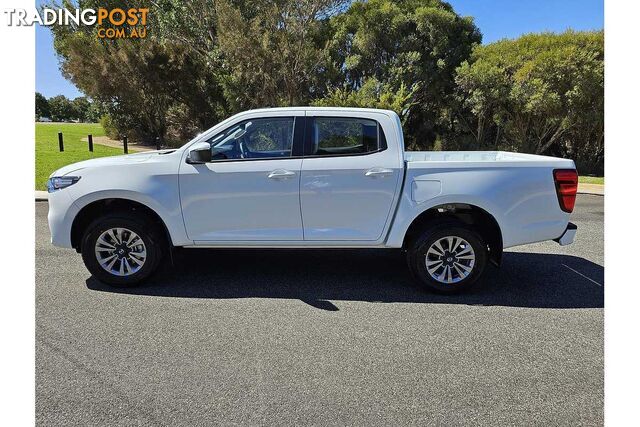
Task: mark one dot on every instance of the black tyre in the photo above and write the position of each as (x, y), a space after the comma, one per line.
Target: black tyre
(122, 249)
(448, 257)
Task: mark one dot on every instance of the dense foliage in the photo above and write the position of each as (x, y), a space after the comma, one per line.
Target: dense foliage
(42, 106)
(204, 60)
(541, 93)
(407, 47)
(61, 109)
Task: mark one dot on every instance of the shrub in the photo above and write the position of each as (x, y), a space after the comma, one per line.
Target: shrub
(109, 127)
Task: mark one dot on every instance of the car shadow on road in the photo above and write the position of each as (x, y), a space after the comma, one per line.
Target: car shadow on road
(318, 277)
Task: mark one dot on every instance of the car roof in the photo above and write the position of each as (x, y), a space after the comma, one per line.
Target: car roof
(377, 110)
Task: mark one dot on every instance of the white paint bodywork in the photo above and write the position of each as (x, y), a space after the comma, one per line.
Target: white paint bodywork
(353, 201)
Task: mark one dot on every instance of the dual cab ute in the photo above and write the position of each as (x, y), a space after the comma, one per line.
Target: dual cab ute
(311, 178)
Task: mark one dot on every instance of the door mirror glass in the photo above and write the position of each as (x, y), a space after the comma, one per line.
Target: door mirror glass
(200, 153)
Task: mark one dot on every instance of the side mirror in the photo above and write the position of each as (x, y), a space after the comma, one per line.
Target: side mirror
(200, 153)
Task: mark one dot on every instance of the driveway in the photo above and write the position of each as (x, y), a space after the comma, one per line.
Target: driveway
(323, 338)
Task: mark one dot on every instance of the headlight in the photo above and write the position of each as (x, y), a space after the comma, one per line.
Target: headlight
(60, 182)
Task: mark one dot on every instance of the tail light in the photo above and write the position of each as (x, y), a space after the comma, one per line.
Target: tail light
(566, 187)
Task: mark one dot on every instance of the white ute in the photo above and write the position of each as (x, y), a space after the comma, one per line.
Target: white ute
(311, 177)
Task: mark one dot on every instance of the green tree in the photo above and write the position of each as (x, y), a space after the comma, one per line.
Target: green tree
(137, 81)
(61, 109)
(203, 60)
(276, 52)
(415, 44)
(372, 94)
(540, 93)
(95, 111)
(42, 106)
(287, 40)
(81, 107)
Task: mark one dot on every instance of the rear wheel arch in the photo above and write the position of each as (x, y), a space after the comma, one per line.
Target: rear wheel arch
(89, 213)
(471, 215)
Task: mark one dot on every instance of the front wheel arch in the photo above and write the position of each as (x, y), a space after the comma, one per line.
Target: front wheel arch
(100, 254)
(101, 207)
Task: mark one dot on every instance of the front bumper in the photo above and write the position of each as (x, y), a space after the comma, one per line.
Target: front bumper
(568, 235)
(62, 211)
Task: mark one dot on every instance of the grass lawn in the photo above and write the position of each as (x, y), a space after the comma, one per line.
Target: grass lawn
(591, 180)
(48, 156)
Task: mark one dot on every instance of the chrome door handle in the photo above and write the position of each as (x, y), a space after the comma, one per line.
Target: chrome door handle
(378, 172)
(281, 174)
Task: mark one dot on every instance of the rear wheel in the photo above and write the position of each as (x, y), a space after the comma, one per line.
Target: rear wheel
(448, 257)
(122, 249)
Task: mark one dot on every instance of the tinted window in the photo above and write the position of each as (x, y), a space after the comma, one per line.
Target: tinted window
(333, 136)
(254, 139)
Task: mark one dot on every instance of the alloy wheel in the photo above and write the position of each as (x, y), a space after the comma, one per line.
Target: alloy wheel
(450, 259)
(120, 251)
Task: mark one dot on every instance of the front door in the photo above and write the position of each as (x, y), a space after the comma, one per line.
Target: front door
(250, 189)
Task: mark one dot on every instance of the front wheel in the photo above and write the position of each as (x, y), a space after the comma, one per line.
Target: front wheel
(448, 257)
(121, 249)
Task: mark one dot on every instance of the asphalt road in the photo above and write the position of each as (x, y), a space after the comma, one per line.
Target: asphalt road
(323, 338)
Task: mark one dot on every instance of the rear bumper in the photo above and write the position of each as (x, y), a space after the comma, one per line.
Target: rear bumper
(568, 235)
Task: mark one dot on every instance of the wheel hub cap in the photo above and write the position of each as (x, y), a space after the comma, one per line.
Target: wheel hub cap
(120, 251)
(450, 259)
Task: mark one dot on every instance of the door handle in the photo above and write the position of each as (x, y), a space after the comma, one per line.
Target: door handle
(281, 174)
(378, 172)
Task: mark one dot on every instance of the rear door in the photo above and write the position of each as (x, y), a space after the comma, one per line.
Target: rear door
(349, 176)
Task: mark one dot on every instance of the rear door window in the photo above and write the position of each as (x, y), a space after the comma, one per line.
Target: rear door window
(341, 136)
